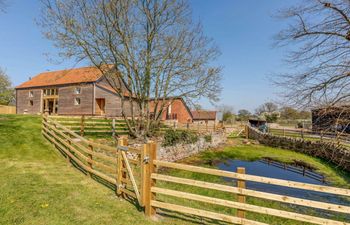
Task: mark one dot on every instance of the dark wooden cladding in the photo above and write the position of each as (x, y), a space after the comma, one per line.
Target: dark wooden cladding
(112, 101)
(69, 102)
(23, 101)
(77, 91)
(67, 97)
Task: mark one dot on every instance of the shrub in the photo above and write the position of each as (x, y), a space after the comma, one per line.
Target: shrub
(207, 138)
(173, 137)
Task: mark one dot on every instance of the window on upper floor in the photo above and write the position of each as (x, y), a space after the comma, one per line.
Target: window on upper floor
(31, 94)
(48, 92)
(77, 90)
(77, 101)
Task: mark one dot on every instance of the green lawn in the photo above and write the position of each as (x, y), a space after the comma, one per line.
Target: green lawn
(39, 187)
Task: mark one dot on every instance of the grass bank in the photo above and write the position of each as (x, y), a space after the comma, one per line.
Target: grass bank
(39, 187)
(251, 152)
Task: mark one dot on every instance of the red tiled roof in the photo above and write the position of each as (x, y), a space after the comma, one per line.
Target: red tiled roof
(203, 115)
(70, 76)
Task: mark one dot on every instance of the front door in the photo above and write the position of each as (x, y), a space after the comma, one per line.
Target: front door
(100, 106)
(50, 105)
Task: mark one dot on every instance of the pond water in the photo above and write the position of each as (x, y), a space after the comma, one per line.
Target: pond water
(292, 173)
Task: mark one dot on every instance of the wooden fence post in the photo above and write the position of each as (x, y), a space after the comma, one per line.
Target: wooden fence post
(119, 168)
(113, 127)
(302, 133)
(149, 182)
(121, 173)
(144, 172)
(246, 129)
(91, 148)
(82, 125)
(44, 119)
(241, 198)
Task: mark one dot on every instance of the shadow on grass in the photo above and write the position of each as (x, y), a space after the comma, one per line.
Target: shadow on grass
(188, 218)
(100, 180)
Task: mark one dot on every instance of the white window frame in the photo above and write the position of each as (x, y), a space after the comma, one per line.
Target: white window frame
(77, 90)
(76, 101)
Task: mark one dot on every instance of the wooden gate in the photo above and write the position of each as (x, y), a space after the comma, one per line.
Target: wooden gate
(119, 166)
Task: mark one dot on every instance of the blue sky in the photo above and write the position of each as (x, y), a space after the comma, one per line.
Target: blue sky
(243, 30)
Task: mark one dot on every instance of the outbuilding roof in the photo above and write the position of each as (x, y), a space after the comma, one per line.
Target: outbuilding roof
(61, 77)
(203, 115)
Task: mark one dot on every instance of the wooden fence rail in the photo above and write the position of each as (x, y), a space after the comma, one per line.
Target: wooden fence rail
(196, 127)
(303, 133)
(135, 174)
(117, 165)
(92, 124)
(242, 192)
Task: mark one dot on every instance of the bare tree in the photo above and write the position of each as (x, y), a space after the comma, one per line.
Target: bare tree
(147, 49)
(319, 34)
(3, 5)
(268, 107)
(227, 112)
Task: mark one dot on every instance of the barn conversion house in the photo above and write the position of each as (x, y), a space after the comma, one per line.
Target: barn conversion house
(85, 91)
(80, 91)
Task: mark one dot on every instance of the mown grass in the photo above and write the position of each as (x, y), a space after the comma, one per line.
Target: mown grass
(39, 187)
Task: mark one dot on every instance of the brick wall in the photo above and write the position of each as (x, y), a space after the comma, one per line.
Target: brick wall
(178, 108)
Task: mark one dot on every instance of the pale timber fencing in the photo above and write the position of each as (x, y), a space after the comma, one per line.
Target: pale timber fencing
(136, 173)
(6, 109)
(152, 190)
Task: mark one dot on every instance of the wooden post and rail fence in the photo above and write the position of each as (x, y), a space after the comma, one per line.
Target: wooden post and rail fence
(197, 127)
(93, 124)
(136, 173)
(309, 134)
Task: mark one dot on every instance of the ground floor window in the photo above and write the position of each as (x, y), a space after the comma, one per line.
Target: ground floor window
(77, 101)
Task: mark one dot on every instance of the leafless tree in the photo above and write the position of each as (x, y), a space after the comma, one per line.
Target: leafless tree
(147, 49)
(318, 37)
(268, 107)
(2, 5)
